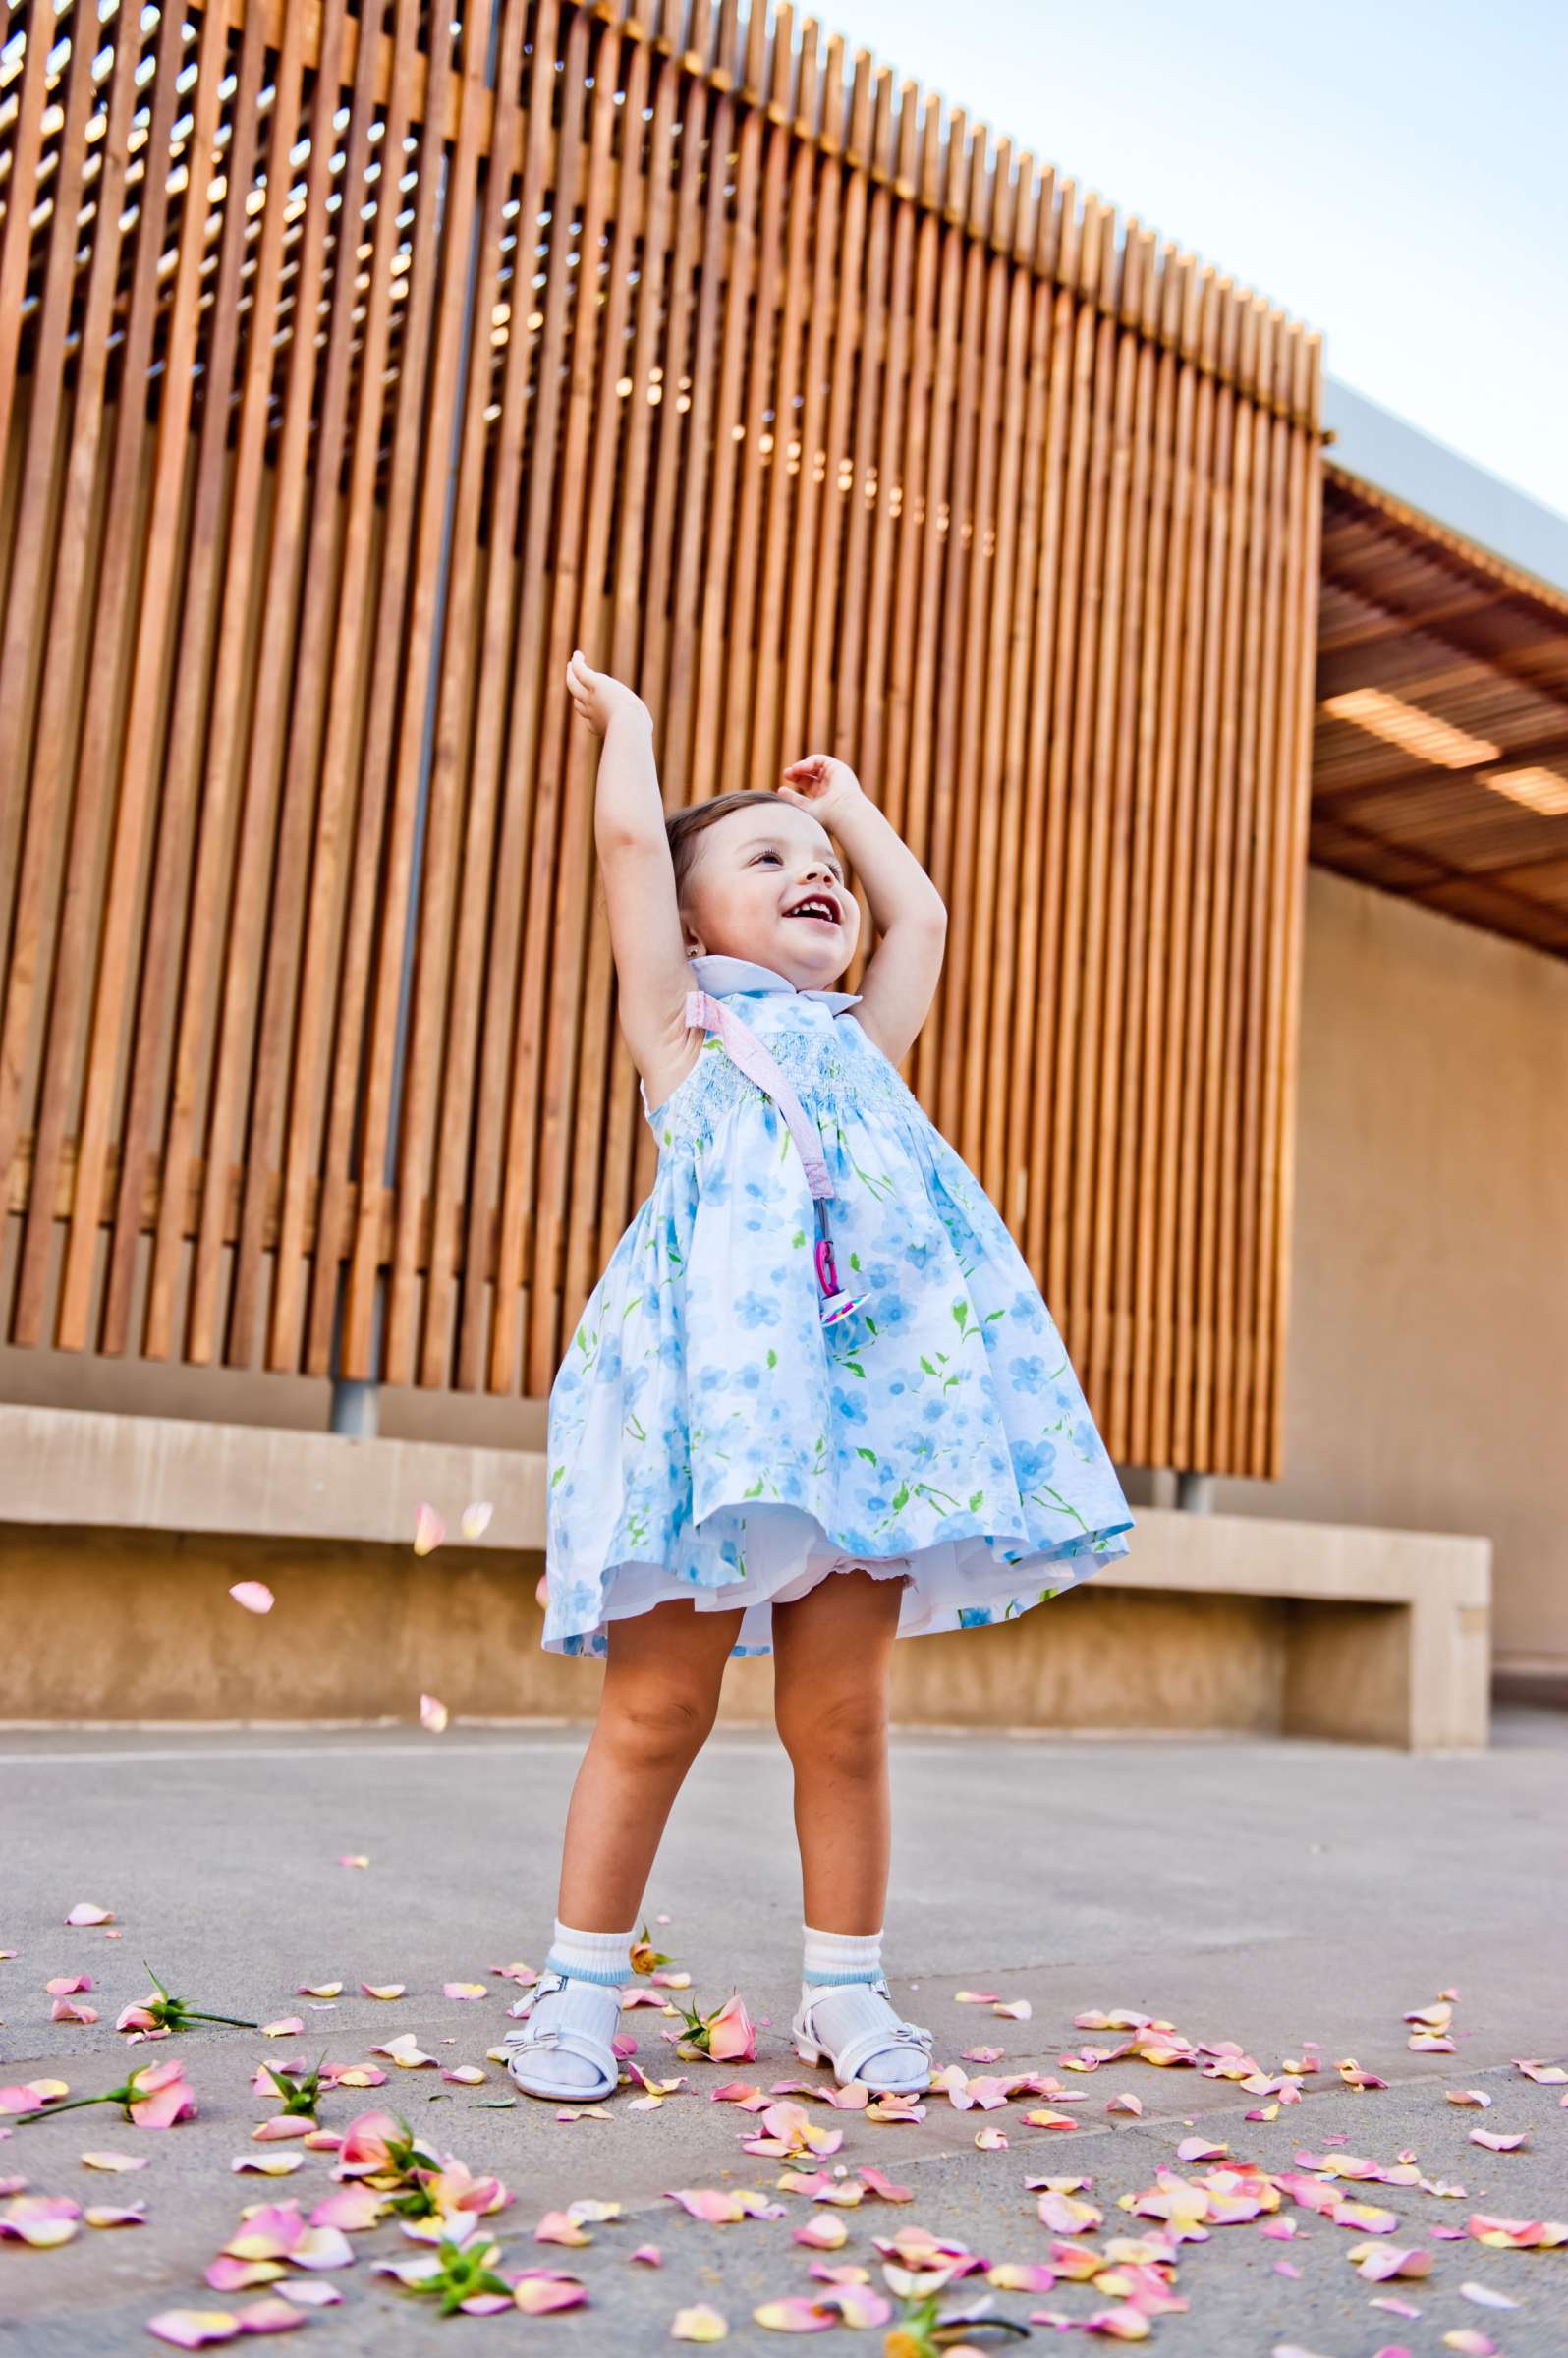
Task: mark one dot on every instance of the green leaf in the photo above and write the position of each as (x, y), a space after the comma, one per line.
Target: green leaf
(976, 1502)
(869, 1456)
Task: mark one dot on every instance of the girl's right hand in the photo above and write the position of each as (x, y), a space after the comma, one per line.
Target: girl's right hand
(599, 698)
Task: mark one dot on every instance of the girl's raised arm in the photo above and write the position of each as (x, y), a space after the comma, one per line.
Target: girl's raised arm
(645, 936)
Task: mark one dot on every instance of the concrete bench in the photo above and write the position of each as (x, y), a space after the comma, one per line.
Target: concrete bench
(120, 1535)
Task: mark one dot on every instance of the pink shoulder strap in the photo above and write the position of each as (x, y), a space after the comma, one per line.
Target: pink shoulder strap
(756, 1062)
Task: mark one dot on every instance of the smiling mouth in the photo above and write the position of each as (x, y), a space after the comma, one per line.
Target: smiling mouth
(821, 912)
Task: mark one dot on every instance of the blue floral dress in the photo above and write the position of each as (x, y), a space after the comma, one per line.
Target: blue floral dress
(710, 1438)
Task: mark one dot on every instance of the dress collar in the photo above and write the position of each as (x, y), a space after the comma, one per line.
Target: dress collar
(721, 977)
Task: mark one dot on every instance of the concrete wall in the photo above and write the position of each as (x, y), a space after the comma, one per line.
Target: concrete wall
(1426, 1374)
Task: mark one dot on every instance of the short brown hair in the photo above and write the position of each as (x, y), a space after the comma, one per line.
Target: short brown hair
(683, 827)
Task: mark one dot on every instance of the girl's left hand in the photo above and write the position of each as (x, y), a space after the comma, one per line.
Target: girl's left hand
(823, 785)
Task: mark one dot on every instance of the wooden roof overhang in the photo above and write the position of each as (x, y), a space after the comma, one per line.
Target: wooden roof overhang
(1440, 752)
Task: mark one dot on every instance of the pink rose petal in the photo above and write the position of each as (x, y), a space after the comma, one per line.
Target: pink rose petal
(194, 2329)
(269, 2315)
(822, 2234)
(229, 2274)
(352, 2208)
(289, 2026)
(429, 1529)
(1485, 2298)
(540, 2291)
(66, 1985)
(86, 1912)
(464, 1989)
(649, 2255)
(253, 1595)
(434, 1714)
(476, 1518)
(798, 2314)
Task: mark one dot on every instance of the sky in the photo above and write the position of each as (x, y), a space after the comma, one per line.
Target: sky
(1395, 175)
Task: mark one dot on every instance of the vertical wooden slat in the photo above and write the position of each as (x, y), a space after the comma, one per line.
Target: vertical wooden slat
(940, 1045)
(576, 618)
(1029, 1084)
(1287, 907)
(1236, 1404)
(1080, 269)
(197, 1027)
(758, 423)
(1190, 549)
(1129, 1338)
(338, 922)
(302, 807)
(430, 561)
(438, 1105)
(237, 1045)
(642, 634)
(1101, 943)
(27, 140)
(178, 796)
(980, 718)
(1123, 846)
(1029, 636)
(570, 1161)
(530, 771)
(49, 837)
(125, 885)
(1217, 762)
(92, 818)
(415, 515)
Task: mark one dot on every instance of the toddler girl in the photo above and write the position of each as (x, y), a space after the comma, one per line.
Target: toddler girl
(815, 1401)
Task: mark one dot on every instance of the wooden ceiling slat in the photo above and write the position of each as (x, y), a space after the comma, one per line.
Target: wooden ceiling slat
(1413, 612)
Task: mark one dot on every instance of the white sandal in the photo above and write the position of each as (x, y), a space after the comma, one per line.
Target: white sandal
(894, 2036)
(531, 2047)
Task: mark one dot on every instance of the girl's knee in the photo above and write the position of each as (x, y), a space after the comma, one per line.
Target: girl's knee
(655, 1723)
(845, 1731)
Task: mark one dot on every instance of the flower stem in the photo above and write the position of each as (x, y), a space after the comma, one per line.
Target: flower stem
(48, 2111)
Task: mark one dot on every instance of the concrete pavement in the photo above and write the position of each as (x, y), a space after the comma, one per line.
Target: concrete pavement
(1269, 1893)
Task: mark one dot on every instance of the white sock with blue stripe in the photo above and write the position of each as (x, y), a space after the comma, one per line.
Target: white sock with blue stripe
(834, 1959)
(603, 1957)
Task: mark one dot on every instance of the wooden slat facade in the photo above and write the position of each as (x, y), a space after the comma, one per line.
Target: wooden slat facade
(354, 367)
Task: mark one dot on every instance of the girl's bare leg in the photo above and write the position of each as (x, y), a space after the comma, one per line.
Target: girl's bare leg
(832, 1650)
(662, 1689)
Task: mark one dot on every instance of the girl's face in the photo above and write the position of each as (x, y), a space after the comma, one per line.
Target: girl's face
(759, 888)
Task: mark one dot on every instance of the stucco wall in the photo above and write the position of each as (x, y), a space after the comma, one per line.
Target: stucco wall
(1426, 1371)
